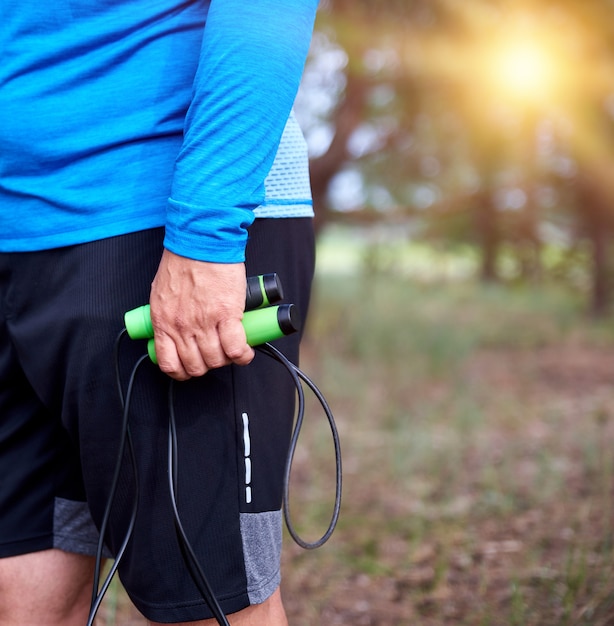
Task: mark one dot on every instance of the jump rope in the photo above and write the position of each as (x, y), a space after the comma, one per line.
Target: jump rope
(263, 321)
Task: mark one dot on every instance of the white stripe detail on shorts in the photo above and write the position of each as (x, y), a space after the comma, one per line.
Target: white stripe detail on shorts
(247, 447)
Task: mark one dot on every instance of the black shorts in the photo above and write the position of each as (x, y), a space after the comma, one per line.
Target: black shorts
(60, 417)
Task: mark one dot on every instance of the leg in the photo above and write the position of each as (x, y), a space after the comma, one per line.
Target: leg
(232, 431)
(48, 588)
(41, 500)
(270, 612)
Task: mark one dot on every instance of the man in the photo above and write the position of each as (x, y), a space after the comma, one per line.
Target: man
(140, 148)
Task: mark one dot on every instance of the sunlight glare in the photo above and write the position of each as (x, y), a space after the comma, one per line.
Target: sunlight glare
(525, 70)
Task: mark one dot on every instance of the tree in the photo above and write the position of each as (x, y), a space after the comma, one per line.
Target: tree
(459, 116)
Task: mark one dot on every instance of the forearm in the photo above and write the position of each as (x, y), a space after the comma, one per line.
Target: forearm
(252, 59)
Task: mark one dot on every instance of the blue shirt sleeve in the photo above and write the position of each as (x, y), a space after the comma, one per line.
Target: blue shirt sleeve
(251, 62)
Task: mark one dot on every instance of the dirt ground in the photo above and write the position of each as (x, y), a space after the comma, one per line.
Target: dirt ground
(546, 559)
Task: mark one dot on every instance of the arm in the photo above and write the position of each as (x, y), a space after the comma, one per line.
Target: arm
(251, 62)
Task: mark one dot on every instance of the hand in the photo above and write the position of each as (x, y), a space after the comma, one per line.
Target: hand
(196, 312)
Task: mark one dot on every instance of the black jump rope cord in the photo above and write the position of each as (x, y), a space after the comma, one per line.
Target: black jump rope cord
(125, 437)
(191, 561)
(188, 554)
(297, 376)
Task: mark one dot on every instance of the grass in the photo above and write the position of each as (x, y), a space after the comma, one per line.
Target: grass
(477, 432)
(477, 426)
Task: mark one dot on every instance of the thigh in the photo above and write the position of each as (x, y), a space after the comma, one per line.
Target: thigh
(42, 498)
(46, 587)
(234, 426)
(60, 311)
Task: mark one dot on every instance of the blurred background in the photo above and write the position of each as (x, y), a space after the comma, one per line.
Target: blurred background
(462, 161)
(483, 127)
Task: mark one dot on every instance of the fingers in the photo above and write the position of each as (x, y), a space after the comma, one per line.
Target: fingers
(185, 356)
(181, 359)
(233, 343)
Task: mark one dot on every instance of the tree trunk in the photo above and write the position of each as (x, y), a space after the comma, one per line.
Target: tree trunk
(595, 194)
(488, 235)
(601, 291)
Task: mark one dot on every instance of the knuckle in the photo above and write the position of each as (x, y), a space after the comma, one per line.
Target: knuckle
(241, 355)
(196, 370)
(173, 371)
(235, 353)
(216, 361)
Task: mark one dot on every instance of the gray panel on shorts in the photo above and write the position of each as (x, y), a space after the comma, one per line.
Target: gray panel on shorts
(73, 528)
(262, 538)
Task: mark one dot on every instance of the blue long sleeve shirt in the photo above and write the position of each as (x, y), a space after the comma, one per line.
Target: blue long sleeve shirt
(121, 115)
